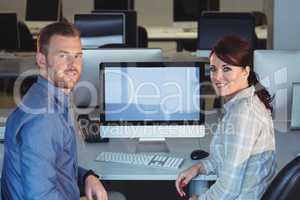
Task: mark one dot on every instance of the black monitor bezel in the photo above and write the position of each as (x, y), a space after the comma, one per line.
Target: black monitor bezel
(28, 17)
(225, 16)
(130, 5)
(210, 5)
(149, 64)
(105, 13)
(131, 25)
(16, 45)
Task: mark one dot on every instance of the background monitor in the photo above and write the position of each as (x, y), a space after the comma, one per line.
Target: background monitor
(43, 10)
(278, 70)
(9, 34)
(86, 92)
(151, 100)
(295, 118)
(186, 12)
(114, 4)
(101, 29)
(214, 25)
(131, 39)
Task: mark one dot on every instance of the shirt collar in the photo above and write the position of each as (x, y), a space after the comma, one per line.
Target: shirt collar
(56, 92)
(245, 93)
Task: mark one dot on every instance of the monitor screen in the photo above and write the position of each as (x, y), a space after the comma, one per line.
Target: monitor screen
(9, 35)
(130, 25)
(212, 28)
(101, 29)
(188, 10)
(45, 10)
(113, 4)
(86, 91)
(151, 92)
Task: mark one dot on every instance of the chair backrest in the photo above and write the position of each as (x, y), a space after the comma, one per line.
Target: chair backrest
(142, 37)
(214, 25)
(26, 38)
(286, 184)
(277, 71)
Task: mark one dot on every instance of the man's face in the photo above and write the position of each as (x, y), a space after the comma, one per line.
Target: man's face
(63, 63)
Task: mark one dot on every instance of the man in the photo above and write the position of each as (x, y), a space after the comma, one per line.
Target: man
(40, 160)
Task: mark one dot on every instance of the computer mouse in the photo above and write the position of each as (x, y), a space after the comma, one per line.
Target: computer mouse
(199, 154)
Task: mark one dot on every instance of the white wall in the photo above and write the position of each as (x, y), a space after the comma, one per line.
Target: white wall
(286, 21)
(241, 5)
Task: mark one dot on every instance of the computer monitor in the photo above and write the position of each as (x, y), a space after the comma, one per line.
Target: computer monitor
(212, 26)
(114, 4)
(131, 39)
(100, 29)
(86, 92)
(186, 12)
(9, 34)
(278, 70)
(151, 100)
(45, 10)
(295, 118)
(41, 13)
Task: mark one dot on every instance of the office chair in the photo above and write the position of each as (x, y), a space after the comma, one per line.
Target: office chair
(142, 37)
(26, 38)
(286, 184)
(260, 18)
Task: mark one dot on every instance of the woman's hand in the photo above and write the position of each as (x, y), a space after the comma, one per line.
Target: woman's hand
(194, 198)
(186, 176)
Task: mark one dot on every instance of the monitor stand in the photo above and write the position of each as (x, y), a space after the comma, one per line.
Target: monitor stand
(152, 145)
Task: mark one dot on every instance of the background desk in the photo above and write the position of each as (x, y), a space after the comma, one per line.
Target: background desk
(175, 34)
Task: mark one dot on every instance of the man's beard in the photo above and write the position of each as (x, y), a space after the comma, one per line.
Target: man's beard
(62, 79)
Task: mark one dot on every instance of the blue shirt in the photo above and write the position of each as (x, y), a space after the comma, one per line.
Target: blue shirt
(242, 151)
(40, 159)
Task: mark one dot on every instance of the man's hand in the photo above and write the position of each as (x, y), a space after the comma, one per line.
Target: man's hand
(94, 188)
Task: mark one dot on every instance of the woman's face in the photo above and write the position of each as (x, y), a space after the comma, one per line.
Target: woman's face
(227, 79)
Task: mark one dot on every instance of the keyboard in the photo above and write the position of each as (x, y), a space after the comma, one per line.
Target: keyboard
(143, 159)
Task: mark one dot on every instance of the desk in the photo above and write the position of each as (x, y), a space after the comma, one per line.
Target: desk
(175, 34)
(114, 171)
(12, 65)
(287, 145)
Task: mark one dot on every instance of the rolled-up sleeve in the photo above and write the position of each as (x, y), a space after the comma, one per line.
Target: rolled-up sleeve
(240, 134)
(38, 152)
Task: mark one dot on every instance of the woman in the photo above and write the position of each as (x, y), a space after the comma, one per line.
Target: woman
(242, 150)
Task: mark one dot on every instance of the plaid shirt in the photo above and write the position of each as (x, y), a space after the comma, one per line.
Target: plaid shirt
(242, 151)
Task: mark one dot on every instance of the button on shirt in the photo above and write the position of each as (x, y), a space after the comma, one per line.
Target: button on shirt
(40, 160)
(242, 151)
